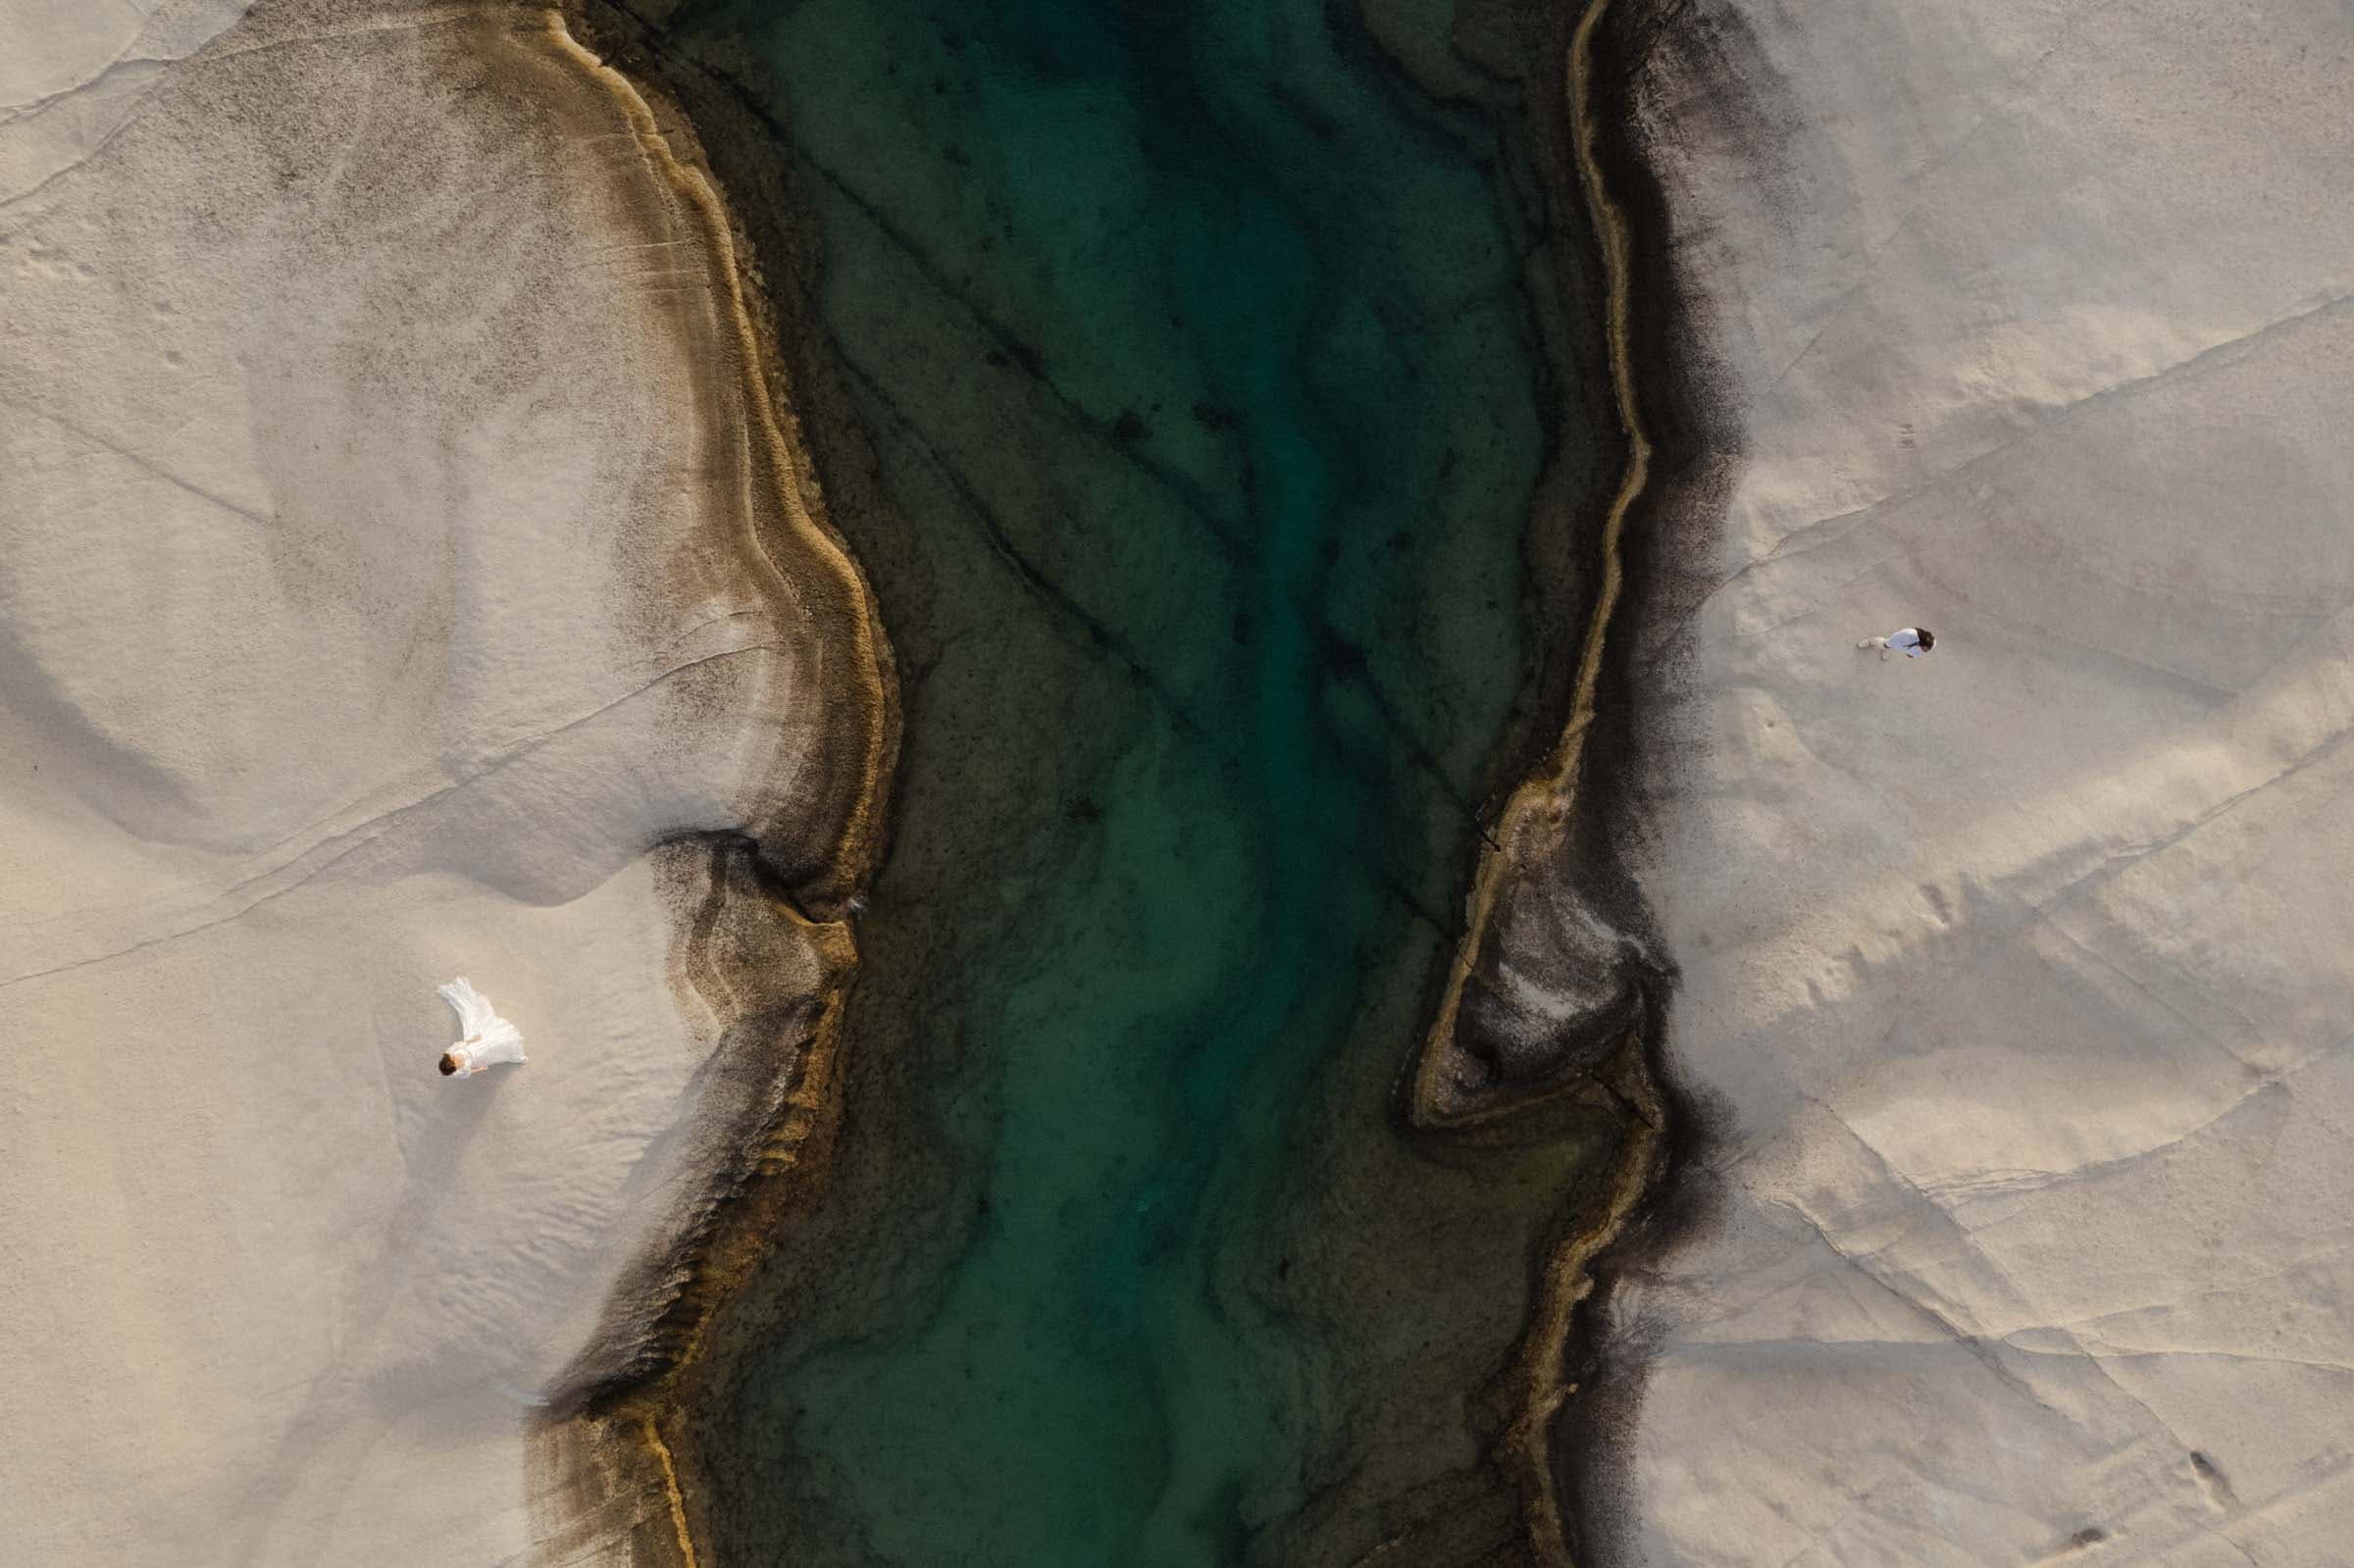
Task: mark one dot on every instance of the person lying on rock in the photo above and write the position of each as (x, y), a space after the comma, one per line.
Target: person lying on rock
(489, 1039)
(1913, 641)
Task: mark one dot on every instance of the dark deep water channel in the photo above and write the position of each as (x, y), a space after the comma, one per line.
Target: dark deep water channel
(1208, 365)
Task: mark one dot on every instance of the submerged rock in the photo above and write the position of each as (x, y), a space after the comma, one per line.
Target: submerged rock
(1552, 990)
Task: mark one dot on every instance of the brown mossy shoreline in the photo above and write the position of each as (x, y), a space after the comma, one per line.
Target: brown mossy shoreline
(1679, 394)
(611, 1466)
(1583, 800)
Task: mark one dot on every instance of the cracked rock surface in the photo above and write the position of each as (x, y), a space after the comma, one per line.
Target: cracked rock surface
(395, 582)
(2018, 980)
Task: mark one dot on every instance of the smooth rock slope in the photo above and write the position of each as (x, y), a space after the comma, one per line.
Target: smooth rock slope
(401, 575)
(2016, 982)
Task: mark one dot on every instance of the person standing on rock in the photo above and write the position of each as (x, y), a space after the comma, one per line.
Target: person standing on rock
(1913, 641)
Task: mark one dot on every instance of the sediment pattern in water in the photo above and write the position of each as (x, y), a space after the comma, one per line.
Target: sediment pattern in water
(1209, 365)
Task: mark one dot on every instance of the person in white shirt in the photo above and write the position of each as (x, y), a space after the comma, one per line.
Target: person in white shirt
(1913, 641)
(489, 1039)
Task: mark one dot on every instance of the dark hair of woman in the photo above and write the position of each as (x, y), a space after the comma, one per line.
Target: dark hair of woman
(1929, 638)
(450, 1064)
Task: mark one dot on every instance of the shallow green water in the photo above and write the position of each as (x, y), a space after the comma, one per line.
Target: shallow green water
(1206, 408)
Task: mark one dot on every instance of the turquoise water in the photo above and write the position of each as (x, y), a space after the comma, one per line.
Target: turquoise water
(1204, 407)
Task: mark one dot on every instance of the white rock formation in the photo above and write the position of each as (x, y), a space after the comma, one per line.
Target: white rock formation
(392, 553)
(2021, 976)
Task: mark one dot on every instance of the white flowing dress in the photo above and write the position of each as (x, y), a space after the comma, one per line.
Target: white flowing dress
(489, 1039)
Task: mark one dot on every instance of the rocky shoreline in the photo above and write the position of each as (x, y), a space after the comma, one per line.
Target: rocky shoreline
(613, 1462)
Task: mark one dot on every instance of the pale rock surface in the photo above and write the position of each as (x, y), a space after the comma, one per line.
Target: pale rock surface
(2018, 980)
(71, 74)
(378, 602)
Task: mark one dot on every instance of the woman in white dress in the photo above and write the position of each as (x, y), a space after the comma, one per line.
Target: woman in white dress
(489, 1039)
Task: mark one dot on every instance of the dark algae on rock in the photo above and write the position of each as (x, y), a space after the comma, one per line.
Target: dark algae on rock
(1218, 399)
